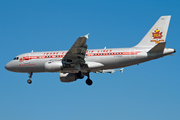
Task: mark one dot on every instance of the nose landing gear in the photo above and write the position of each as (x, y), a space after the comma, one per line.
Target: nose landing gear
(29, 81)
(30, 76)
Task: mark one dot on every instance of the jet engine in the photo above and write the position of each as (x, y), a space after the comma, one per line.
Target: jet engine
(70, 77)
(53, 66)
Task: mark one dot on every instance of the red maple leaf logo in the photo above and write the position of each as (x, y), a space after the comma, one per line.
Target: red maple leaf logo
(157, 34)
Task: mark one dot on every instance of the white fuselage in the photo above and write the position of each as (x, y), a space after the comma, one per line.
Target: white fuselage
(97, 59)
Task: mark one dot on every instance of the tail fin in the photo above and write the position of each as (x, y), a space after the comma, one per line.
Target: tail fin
(156, 34)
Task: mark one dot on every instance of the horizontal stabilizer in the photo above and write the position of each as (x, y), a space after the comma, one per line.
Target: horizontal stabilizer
(158, 48)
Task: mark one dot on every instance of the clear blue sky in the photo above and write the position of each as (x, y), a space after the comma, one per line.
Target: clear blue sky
(149, 91)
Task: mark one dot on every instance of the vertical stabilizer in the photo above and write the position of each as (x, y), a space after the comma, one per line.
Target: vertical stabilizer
(156, 34)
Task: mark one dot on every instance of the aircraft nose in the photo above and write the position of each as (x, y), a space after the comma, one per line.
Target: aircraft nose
(8, 66)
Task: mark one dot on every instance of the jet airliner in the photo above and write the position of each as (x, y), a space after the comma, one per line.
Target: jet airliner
(79, 61)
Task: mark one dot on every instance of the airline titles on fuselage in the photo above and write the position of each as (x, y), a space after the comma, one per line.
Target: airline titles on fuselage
(88, 53)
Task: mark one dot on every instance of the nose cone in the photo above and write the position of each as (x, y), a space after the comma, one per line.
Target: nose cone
(8, 66)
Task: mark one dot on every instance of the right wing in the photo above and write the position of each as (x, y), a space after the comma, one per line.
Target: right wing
(76, 54)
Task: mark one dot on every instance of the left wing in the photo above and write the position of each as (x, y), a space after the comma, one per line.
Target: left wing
(110, 71)
(76, 54)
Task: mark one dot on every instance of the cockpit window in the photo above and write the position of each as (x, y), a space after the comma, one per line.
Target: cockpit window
(16, 58)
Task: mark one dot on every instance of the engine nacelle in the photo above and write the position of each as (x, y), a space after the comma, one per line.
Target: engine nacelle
(68, 77)
(53, 66)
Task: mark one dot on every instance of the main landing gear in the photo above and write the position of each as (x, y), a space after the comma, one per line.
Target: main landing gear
(81, 76)
(89, 81)
(30, 76)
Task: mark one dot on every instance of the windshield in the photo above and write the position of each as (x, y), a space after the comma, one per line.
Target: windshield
(16, 58)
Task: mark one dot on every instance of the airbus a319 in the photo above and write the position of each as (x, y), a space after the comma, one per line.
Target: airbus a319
(78, 61)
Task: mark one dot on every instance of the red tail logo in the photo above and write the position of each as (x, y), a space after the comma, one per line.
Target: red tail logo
(157, 36)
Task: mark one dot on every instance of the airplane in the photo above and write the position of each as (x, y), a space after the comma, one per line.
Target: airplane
(78, 61)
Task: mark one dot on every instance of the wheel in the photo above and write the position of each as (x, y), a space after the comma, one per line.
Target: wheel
(89, 82)
(29, 81)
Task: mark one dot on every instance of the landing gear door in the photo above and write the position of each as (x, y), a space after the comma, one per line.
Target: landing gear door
(26, 58)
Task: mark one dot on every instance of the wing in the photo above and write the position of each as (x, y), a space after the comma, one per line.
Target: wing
(76, 54)
(110, 71)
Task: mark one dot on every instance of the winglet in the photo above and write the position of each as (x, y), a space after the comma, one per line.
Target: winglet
(87, 35)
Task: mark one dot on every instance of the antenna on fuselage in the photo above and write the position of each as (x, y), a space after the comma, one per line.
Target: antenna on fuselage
(32, 51)
(105, 47)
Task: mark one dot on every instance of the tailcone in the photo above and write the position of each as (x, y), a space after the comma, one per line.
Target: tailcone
(168, 51)
(174, 51)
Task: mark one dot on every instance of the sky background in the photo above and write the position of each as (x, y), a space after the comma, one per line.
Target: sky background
(149, 91)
